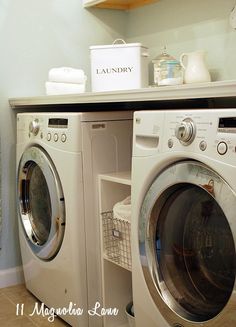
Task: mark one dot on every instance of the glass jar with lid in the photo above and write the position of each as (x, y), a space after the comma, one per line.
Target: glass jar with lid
(167, 70)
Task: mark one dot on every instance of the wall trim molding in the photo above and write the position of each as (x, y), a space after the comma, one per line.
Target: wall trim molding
(11, 276)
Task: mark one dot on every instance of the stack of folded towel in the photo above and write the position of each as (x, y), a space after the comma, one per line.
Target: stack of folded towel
(65, 80)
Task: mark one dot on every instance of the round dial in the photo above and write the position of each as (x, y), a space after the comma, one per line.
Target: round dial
(34, 126)
(185, 131)
(222, 148)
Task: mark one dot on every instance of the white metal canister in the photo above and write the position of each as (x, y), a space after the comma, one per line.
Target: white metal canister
(119, 66)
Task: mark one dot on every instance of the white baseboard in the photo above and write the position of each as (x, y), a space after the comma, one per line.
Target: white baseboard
(11, 276)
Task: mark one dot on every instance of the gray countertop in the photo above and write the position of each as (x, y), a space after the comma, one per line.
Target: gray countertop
(179, 92)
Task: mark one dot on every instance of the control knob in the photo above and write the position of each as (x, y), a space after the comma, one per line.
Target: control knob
(34, 126)
(185, 131)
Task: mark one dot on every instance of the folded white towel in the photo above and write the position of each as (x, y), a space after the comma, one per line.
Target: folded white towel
(122, 210)
(66, 75)
(53, 88)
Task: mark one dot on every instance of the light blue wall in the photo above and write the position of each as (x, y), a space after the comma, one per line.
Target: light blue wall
(188, 25)
(35, 36)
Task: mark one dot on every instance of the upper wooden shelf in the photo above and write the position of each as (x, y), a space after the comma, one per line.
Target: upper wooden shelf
(117, 4)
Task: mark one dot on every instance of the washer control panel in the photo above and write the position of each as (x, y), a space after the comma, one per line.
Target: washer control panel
(186, 133)
(211, 132)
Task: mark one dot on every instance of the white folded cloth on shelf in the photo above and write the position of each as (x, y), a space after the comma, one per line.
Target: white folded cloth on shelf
(54, 88)
(122, 210)
(67, 75)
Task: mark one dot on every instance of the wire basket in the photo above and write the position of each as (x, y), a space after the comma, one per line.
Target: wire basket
(116, 240)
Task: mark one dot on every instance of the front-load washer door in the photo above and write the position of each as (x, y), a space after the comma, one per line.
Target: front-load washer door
(41, 203)
(187, 237)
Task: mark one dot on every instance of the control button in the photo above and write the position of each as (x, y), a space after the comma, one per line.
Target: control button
(222, 148)
(170, 143)
(34, 126)
(49, 136)
(203, 145)
(63, 137)
(185, 131)
(41, 135)
(55, 137)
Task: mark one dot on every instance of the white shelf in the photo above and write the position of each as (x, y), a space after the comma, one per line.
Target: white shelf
(123, 177)
(116, 187)
(178, 92)
(115, 263)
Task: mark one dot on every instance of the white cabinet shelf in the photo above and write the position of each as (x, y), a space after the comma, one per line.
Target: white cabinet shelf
(114, 187)
(116, 274)
(123, 177)
(110, 260)
(117, 4)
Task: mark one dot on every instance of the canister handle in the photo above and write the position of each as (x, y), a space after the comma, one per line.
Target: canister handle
(118, 41)
(145, 54)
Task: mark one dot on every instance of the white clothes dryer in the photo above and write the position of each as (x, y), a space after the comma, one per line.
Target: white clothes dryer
(183, 218)
(58, 158)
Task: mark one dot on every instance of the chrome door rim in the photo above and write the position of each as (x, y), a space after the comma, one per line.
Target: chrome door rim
(37, 156)
(181, 172)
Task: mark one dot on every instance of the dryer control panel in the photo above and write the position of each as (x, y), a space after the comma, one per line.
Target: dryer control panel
(59, 130)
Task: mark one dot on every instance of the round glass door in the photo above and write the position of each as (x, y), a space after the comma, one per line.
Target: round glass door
(41, 203)
(187, 233)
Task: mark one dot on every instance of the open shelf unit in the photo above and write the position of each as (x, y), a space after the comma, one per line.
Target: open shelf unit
(117, 4)
(116, 275)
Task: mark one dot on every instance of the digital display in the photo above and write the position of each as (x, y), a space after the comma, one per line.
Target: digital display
(58, 122)
(229, 122)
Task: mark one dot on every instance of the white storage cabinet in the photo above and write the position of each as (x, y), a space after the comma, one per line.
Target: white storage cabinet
(116, 251)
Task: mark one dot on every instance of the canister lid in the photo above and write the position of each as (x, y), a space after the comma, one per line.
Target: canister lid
(170, 62)
(111, 46)
(164, 56)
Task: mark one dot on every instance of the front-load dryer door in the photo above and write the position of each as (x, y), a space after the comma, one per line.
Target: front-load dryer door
(41, 203)
(187, 237)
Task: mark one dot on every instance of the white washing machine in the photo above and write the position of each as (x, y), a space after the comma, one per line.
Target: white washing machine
(58, 158)
(183, 218)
